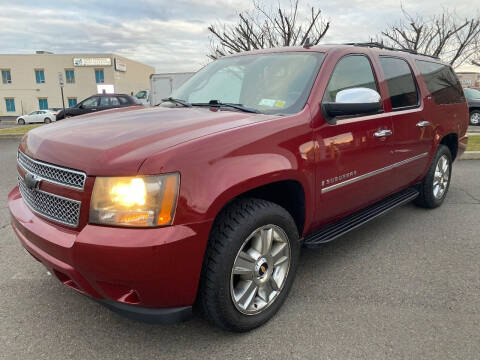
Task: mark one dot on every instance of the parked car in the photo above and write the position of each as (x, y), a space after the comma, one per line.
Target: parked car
(98, 102)
(208, 198)
(473, 98)
(40, 116)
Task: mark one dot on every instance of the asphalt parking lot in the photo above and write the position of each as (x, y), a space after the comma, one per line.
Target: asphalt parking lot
(406, 286)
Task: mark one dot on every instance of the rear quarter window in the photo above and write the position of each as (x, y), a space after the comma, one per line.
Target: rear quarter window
(442, 82)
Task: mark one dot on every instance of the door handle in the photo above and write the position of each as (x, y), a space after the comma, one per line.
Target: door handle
(423, 123)
(382, 133)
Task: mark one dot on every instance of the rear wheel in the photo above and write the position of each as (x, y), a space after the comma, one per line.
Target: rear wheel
(21, 122)
(47, 120)
(249, 265)
(475, 117)
(435, 185)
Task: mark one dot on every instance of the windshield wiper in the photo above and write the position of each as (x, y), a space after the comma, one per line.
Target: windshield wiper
(216, 103)
(176, 101)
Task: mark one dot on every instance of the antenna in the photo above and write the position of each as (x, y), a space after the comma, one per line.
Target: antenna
(307, 44)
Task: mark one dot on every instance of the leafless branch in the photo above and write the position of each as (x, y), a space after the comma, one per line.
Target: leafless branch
(446, 35)
(264, 27)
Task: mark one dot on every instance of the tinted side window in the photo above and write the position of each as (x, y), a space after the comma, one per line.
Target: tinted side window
(352, 71)
(114, 101)
(123, 100)
(442, 82)
(400, 82)
(90, 103)
(104, 101)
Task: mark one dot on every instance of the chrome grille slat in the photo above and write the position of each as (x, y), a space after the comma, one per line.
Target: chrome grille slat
(58, 175)
(53, 207)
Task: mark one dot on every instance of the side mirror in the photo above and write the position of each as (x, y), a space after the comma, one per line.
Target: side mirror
(355, 101)
(80, 106)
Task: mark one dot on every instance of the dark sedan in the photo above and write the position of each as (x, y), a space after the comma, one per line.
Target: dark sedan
(98, 103)
(473, 98)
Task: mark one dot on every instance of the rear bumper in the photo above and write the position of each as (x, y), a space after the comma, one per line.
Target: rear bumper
(141, 272)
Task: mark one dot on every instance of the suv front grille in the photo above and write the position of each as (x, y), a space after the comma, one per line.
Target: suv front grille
(50, 206)
(58, 175)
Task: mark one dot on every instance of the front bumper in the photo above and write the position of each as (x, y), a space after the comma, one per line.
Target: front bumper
(135, 271)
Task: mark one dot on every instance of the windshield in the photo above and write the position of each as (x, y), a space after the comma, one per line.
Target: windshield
(270, 83)
(472, 94)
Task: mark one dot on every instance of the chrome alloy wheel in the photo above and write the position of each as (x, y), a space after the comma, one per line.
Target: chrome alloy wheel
(260, 269)
(475, 118)
(441, 177)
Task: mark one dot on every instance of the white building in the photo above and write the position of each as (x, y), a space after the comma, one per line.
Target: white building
(31, 82)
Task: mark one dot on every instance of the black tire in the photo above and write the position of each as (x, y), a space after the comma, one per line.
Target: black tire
(232, 227)
(47, 120)
(427, 198)
(21, 122)
(475, 114)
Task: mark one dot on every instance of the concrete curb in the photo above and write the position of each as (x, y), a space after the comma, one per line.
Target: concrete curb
(11, 136)
(470, 155)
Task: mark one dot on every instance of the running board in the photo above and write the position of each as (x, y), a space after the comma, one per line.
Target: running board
(332, 231)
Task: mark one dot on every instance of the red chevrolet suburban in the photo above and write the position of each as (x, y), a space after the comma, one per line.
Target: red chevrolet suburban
(204, 201)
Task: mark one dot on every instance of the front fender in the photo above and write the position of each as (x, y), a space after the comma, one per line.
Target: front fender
(258, 170)
(217, 168)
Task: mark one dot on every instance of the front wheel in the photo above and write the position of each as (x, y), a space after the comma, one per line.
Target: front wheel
(434, 186)
(475, 117)
(21, 122)
(249, 265)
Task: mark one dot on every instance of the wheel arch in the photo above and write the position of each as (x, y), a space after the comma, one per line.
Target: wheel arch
(450, 141)
(288, 192)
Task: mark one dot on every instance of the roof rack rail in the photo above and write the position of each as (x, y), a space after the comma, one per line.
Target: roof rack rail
(382, 46)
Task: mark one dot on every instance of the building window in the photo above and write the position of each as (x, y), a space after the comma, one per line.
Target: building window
(40, 76)
(99, 77)
(6, 77)
(72, 102)
(10, 104)
(70, 76)
(43, 103)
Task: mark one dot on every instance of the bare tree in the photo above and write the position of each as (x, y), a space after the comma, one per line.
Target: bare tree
(264, 27)
(447, 36)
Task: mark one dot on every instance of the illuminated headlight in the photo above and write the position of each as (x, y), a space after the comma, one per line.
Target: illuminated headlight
(141, 201)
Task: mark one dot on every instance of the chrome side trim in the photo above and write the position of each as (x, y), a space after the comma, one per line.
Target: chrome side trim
(50, 180)
(372, 173)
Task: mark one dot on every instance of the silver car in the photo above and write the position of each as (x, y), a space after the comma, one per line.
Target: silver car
(39, 116)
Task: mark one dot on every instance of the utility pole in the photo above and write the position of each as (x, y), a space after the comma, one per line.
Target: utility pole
(61, 83)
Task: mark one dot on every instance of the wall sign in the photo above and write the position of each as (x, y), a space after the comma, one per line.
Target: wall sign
(92, 62)
(120, 65)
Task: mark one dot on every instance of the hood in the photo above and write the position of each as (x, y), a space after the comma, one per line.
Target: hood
(116, 142)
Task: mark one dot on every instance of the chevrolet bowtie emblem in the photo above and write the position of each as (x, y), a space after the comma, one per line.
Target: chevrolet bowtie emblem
(32, 181)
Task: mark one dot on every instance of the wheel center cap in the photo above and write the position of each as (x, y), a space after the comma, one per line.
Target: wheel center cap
(261, 268)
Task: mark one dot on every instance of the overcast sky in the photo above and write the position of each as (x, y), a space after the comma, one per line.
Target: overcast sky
(172, 35)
